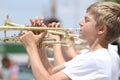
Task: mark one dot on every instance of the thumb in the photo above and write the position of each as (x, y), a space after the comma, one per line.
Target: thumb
(42, 35)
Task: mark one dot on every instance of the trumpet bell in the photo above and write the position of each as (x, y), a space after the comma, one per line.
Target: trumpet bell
(8, 22)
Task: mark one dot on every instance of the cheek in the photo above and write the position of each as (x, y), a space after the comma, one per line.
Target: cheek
(84, 33)
(87, 33)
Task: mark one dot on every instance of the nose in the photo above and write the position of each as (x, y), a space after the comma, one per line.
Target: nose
(81, 23)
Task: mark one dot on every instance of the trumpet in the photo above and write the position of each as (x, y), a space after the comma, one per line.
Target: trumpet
(9, 25)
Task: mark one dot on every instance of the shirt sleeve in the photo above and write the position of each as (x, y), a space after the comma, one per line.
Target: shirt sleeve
(89, 66)
(80, 69)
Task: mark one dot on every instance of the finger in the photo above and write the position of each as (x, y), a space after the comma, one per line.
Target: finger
(36, 21)
(43, 25)
(32, 20)
(49, 35)
(41, 21)
(27, 25)
(49, 25)
(42, 35)
(53, 24)
(57, 25)
(21, 34)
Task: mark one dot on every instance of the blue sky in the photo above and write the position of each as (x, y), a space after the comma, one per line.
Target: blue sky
(69, 12)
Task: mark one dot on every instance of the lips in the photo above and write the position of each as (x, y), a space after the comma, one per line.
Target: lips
(80, 31)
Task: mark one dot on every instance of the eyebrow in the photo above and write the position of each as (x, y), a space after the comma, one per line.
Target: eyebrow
(87, 17)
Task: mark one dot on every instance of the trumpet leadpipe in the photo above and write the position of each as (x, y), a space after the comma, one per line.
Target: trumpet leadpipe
(49, 30)
(45, 41)
(27, 28)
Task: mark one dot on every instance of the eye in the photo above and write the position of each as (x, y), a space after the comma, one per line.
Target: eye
(86, 19)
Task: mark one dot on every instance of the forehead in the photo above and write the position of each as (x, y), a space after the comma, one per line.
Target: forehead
(89, 16)
(91, 19)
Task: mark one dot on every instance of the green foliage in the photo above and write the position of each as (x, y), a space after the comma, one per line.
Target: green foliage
(118, 1)
(11, 48)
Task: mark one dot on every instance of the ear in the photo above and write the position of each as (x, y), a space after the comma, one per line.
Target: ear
(102, 29)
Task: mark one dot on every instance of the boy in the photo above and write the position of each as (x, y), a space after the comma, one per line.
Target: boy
(100, 27)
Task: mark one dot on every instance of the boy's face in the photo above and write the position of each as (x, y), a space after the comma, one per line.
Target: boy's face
(88, 29)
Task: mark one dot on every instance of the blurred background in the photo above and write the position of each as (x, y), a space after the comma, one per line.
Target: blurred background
(68, 12)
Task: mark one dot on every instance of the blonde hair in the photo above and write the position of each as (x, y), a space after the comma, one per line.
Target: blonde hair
(108, 14)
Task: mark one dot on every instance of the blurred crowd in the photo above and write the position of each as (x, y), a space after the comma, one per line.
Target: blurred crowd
(9, 69)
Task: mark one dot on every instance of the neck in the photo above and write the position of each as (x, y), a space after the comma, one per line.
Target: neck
(98, 44)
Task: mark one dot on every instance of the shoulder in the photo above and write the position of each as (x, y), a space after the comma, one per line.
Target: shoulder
(113, 47)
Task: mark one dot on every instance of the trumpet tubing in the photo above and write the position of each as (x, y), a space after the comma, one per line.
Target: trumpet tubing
(9, 25)
(49, 30)
(46, 41)
(17, 40)
(14, 26)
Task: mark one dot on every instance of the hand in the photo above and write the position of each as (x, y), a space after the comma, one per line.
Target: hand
(36, 22)
(54, 25)
(71, 39)
(29, 39)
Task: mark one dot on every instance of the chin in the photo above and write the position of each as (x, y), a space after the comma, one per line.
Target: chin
(81, 37)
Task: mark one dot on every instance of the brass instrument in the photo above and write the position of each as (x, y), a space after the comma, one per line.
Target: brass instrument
(9, 25)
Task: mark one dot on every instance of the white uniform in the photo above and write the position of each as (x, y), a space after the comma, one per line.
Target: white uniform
(113, 49)
(96, 65)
